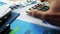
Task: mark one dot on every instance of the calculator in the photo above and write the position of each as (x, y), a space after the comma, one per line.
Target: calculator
(40, 7)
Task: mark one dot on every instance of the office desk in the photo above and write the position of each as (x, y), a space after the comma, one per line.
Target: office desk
(25, 17)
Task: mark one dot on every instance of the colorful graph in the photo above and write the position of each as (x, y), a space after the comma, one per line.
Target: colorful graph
(14, 30)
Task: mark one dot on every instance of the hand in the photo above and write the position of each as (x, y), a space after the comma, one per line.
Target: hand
(52, 15)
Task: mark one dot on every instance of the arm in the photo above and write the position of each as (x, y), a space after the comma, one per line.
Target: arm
(52, 15)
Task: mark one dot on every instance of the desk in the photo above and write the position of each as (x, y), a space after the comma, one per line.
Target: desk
(23, 16)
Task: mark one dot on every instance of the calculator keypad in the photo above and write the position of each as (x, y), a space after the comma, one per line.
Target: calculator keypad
(40, 7)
